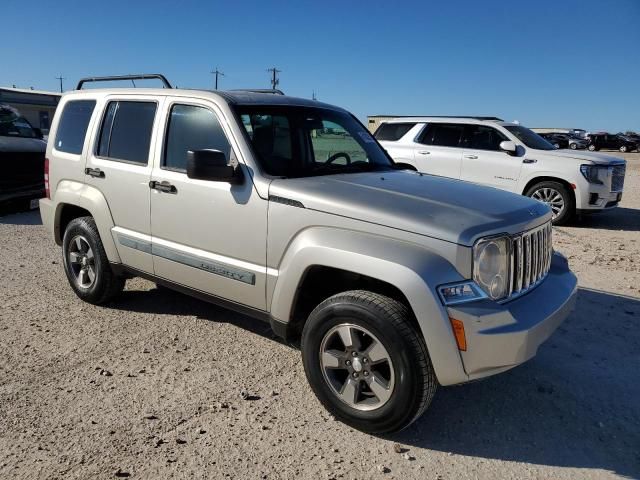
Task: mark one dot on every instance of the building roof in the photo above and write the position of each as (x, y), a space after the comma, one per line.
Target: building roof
(29, 91)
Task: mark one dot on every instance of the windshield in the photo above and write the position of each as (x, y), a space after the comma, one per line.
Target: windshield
(308, 141)
(529, 138)
(14, 125)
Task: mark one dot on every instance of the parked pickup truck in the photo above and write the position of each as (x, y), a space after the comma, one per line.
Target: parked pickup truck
(21, 158)
(393, 282)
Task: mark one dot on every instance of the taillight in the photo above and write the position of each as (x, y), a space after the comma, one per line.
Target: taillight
(47, 190)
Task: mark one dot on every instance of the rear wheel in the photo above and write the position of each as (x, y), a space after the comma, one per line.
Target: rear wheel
(573, 146)
(366, 362)
(623, 148)
(592, 148)
(557, 196)
(86, 263)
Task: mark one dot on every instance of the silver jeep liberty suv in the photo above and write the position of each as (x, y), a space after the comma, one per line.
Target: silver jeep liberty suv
(288, 210)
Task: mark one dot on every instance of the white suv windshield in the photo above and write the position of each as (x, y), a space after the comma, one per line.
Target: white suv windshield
(529, 138)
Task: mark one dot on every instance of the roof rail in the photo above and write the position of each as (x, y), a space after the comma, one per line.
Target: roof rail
(273, 91)
(114, 78)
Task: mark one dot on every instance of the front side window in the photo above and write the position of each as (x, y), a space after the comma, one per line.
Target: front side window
(480, 137)
(393, 131)
(292, 141)
(73, 125)
(126, 131)
(12, 124)
(442, 134)
(192, 128)
(529, 138)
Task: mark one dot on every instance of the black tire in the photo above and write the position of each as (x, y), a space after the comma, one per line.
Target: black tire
(592, 148)
(573, 146)
(623, 149)
(567, 214)
(390, 321)
(106, 284)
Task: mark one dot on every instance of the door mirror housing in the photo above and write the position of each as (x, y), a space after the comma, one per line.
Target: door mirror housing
(508, 146)
(211, 165)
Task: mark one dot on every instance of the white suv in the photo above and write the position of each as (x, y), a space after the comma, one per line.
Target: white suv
(506, 156)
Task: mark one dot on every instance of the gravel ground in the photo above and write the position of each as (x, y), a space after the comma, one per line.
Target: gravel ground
(150, 386)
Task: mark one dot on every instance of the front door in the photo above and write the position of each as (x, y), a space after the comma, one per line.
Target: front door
(437, 150)
(484, 162)
(119, 166)
(206, 235)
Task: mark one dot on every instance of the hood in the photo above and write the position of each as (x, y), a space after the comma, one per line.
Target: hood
(21, 144)
(598, 158)
(438, 207)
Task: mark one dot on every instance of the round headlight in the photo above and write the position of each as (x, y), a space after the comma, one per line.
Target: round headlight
(491, 266)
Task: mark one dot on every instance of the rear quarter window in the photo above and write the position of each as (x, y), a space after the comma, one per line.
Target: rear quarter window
(72, 128)
(393, 131)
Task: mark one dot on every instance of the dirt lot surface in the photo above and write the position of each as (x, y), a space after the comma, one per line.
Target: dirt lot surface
(150, 386)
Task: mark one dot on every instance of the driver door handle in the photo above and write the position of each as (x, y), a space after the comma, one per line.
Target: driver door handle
(165, 187)
(472, 157)
(424, 152)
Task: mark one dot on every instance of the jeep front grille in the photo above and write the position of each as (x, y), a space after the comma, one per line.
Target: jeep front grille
(617, 178)
(531, 253)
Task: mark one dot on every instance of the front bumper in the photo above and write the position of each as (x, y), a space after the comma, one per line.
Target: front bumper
(502, 336)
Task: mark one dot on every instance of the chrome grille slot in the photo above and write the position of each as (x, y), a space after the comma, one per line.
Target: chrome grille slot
(617, 178)
(530, 260)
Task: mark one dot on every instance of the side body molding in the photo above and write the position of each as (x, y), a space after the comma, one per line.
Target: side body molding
(411, 268)
(92, 200)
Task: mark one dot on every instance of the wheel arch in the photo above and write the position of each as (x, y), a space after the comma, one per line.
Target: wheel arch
(406, 272)
(541, 179)
(75, 200)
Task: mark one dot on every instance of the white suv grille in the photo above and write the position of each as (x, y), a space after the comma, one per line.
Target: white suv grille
(531, 253)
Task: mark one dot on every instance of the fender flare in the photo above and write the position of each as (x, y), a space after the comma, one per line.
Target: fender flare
(413, 269)
(91, 199)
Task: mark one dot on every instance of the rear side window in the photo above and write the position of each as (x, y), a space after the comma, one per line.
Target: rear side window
(393, 131)
(442, 134)
(73, 125)
(192, 128)
(126, 131)
(479, 137)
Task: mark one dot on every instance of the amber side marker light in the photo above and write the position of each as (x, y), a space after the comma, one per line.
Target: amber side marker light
(458, 332)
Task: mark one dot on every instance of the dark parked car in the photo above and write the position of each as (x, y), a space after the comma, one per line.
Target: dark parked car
(609, 141)
(22, 152)
(555, 139)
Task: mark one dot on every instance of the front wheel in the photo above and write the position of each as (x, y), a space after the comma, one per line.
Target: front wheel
(557, 196)
(573, 146)
(366, 362)
(86, 263)
(592, 148)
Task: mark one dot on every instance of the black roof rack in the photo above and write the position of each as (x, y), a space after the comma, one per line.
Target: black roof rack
(273, 91)
(114, 78)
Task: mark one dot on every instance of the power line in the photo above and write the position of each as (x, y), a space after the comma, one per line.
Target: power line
(60, 78)
(275, 81)
(217, 73)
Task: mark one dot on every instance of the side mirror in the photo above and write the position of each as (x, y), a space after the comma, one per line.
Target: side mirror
(211, 165)
(508, 146)
(38, 133)
(404, 166)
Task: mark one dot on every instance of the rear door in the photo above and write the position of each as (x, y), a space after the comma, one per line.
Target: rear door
(437, 149)
(397, 140)
(119, 166)
(484, 162)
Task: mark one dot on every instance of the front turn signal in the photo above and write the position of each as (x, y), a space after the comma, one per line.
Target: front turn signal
(458, 332)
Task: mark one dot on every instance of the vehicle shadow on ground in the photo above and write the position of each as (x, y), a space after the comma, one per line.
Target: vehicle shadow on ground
(574, 405)
(9, 217)
(620, 218)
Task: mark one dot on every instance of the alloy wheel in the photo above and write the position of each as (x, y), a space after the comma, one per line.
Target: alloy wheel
(357, 367)
(551, 197)
(81, 261)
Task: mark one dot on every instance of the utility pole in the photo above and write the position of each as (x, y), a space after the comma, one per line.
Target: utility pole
(217, 73)
(274, 77)
(313, 96)
(60, 78)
